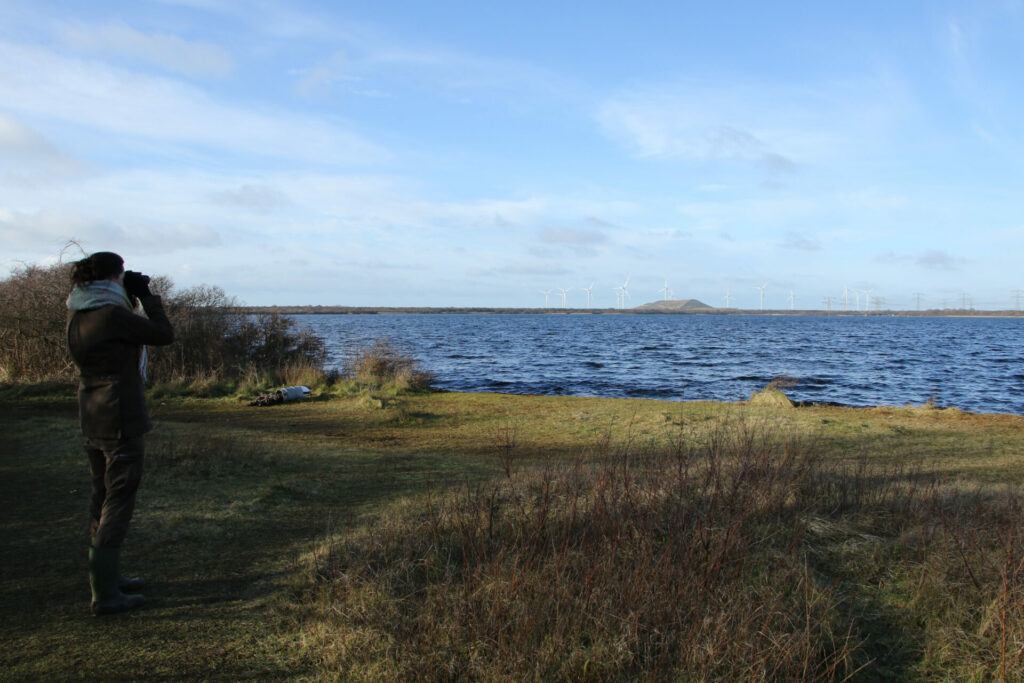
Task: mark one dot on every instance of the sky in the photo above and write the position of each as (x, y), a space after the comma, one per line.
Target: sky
(480, 153)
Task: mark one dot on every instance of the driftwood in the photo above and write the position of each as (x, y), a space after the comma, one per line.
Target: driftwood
(284, 395)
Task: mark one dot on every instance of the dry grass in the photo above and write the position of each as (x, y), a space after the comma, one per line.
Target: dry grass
(383, 364)
(496, 537)
(736, 555)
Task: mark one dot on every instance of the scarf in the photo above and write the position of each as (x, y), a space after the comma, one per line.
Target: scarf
(98, 293)
(105, 293)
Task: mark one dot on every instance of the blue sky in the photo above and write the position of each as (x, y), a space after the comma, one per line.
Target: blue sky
(475, 154)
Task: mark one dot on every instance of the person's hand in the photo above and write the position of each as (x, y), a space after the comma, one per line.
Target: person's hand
(136, 284)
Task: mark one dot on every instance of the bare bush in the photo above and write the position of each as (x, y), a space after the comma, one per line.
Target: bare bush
(215, 340)
(32, 320)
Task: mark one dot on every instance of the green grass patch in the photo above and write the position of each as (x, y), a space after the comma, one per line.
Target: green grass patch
(369, 533)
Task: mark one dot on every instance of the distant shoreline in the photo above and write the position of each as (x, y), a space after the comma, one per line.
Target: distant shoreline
(392, 310)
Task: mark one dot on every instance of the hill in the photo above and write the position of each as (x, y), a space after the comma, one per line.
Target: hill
(673, 306)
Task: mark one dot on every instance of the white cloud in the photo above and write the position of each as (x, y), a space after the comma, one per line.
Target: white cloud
(221, 6)
(955, 39)
(775, 163)
(665, 235)
(930, 259)
(758, 213)
(377, 264)
(937, 259)
(311, 211)
(17, 139)
(573, 237)
(316, 79)
(126, 103)
(799, 241)
(254, 197)
(54, 228)
(685, 128)
(376, 63)
(531, 269)
(892, 257)
(873, 199)
(466, 220)
(169, 52)
(27, 158)
(774, 128)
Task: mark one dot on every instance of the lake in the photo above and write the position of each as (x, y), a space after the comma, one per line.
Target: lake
(975, 364)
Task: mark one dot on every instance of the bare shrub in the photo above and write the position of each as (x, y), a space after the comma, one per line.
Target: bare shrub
(214, 337)
(32, 319)
(215, 340)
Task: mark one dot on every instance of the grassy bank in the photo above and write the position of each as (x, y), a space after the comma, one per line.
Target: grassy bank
(480, 536)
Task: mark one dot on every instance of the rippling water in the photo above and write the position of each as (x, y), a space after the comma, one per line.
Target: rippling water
(975, 364)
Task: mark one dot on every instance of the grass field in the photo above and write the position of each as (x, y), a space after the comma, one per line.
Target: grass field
(491, 537)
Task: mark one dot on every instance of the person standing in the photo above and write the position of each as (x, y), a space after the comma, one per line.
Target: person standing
(107, 341)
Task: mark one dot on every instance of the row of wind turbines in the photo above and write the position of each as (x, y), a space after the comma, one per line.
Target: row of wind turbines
(622, 293)
(564, 292)
(827, 300)
(851, 298)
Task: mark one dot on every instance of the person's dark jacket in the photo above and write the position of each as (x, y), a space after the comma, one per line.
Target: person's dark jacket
(105, 343)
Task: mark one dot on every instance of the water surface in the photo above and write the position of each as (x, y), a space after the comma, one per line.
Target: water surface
(975, 364)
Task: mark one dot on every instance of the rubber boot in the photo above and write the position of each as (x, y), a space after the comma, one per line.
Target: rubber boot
(107, 598)
(130, 585)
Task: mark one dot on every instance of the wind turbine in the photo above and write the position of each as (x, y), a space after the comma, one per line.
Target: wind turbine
(587, 290)
(867, 298)
(792, 299)
(666, 290)
(563, 292)
(846, 297)
(728, 296)
(761, 287)
(545, 292)
(622, 293)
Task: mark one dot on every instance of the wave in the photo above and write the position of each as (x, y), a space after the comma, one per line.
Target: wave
(849, 362)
